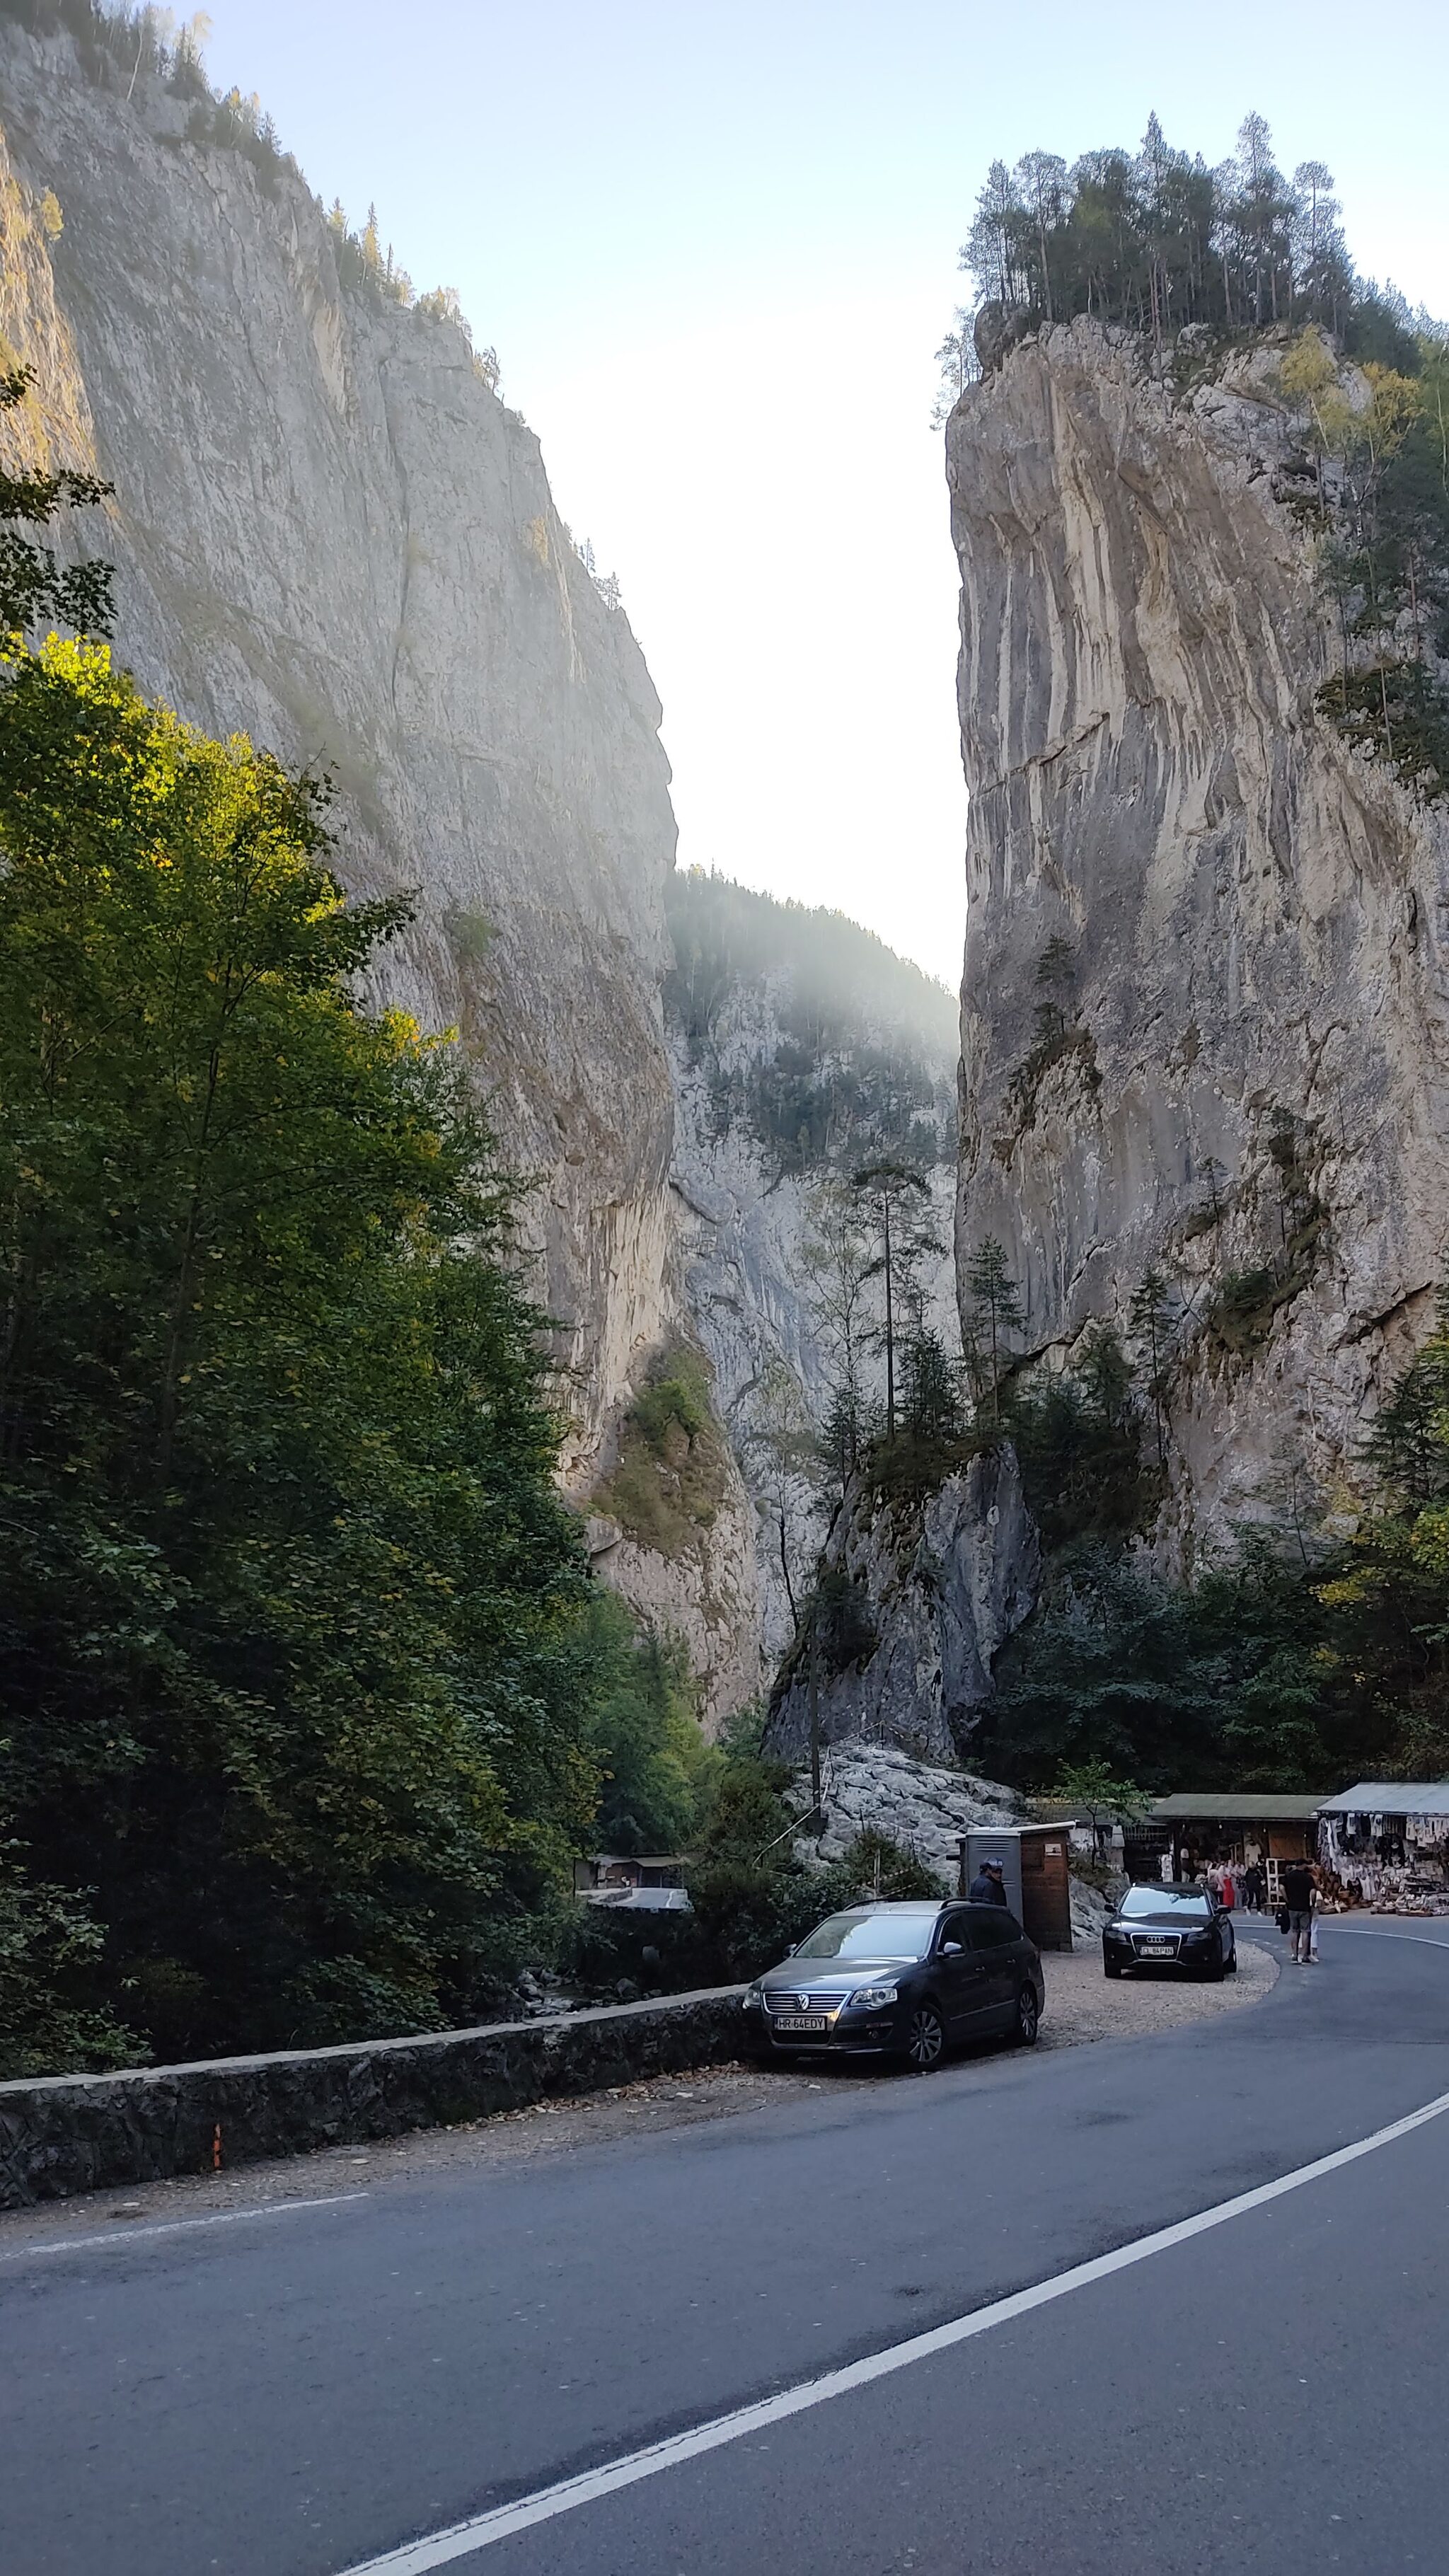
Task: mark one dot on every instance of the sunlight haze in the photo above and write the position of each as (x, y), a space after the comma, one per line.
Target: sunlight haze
(716, 249)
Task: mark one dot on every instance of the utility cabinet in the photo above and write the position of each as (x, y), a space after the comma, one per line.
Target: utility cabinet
(1036, 1871)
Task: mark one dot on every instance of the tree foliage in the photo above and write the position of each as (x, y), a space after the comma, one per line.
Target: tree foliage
(290, 1668)
(34, 587)
(654, 1766)
(1157, 239)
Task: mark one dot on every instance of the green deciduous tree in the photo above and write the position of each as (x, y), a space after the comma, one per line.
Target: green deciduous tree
(34, 586)
(290, 1675)
(1102, 1800)
(654, 1765)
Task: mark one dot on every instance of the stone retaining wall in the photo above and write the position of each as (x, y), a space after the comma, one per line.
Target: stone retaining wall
(72, 2133)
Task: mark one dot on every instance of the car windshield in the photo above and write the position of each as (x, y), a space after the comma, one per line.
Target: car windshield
(1164, 1900)
(870, 1936)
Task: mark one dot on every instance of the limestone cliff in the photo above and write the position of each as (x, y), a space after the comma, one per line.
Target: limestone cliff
(801, 1049)
(917, 1602)
(1206, 999)
(329, 532)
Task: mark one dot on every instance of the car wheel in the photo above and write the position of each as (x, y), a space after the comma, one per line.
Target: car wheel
(1215, 1971)
(1231, 1969)
(925, 2040)
(1028, 2018)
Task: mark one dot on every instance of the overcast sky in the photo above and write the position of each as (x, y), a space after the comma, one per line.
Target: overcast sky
(715, 247)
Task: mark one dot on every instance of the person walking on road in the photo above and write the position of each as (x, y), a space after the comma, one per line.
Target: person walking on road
(988, 1887)
(1298, 1897)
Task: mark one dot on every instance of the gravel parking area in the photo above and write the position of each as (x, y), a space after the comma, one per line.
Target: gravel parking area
(1081, 2006)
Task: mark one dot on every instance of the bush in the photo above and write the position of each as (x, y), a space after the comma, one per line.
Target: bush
(672, 1468)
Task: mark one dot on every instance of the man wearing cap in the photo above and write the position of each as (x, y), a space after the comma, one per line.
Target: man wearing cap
(988, 1887)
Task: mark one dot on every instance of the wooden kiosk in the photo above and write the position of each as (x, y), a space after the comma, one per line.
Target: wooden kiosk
(1036, 1868)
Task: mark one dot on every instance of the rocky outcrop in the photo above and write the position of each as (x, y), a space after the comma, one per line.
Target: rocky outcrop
(706, 1594)
(331, 534)
(922, 1806)
(924, 1809)
(1206, 999)
(918, 1600)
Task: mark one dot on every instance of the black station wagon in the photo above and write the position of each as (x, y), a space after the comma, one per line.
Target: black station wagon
(902, 1981)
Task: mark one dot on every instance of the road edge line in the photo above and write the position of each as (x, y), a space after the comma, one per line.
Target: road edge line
(501, 2522)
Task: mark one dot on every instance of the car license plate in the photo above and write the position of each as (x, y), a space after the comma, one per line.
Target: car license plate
(1157, 1949)
(814, 2024)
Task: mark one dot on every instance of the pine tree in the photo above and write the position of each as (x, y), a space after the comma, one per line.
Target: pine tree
(1153, 1316)
(898, 1196)
(994, 1316)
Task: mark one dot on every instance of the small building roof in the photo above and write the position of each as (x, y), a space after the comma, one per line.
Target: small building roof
(638, 1860)
(1015, 1833)
(1238, 1807)
(1391, 1798)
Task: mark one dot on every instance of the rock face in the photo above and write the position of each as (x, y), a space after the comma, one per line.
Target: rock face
(786, 1083)
(708, 1596)
(930, 1594)
(331, 534)
(1206, 1001)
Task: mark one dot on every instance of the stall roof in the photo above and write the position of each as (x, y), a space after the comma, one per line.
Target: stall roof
(1391, 1798)
(1234, 1807)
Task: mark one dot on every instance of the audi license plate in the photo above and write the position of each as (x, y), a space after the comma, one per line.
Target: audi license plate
(815, 2025)
(1157, 1949)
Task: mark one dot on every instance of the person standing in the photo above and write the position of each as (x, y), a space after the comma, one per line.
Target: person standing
(1253, 1887)
(988, 1887)
(1298, 1894)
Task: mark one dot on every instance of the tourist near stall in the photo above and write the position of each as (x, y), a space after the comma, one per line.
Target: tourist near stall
(1252, 1836)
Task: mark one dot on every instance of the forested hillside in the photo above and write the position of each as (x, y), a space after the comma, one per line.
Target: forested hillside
(863, 1041)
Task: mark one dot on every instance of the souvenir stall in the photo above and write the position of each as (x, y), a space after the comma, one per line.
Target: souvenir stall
(1385, 1844)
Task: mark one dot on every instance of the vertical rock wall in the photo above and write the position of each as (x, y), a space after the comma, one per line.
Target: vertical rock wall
(1244, 1067)
(329, 533)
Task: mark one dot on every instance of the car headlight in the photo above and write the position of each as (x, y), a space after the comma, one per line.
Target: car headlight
(874, 1998)
(754, 1996)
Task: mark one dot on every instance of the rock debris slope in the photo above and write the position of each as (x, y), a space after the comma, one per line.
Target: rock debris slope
(331, 534)
(1206, 1001)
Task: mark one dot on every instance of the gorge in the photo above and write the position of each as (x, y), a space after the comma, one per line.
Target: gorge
(1168, 1195)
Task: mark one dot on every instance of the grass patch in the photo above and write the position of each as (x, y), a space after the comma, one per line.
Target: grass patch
(673, 1466)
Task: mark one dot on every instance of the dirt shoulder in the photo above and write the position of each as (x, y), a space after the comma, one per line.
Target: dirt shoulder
(1082, 2007)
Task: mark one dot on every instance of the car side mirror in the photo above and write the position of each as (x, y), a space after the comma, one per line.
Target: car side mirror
(953, 1950)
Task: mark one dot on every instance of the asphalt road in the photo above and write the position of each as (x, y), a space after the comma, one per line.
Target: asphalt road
(298, 2394)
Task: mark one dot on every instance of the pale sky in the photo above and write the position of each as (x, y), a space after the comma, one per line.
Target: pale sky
(715, 247)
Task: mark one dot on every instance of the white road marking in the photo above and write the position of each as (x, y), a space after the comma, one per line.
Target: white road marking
(1361, 1932)
(175, 2226)
(481, 2531)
